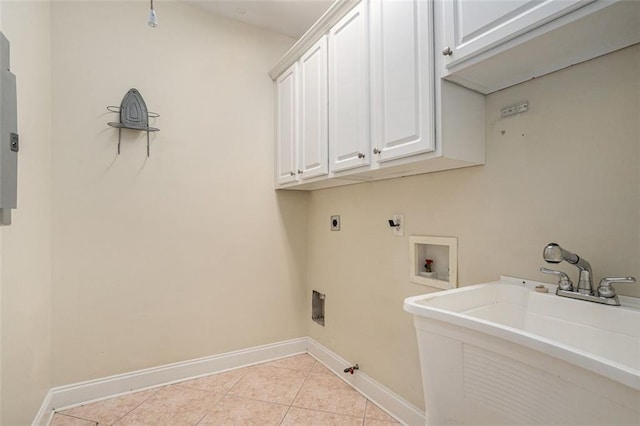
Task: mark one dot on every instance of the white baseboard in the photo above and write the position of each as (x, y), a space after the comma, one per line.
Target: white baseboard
(390, 402)
(45, 413)
(94, 390)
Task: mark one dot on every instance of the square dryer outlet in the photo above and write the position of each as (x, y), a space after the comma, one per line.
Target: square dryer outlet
(335, 223)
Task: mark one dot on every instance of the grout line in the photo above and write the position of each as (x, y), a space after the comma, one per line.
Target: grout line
(240, 379)
(75, 417)
(153, 393)
(244, 373)
(328, 412)
(299, 389)
(212, 408)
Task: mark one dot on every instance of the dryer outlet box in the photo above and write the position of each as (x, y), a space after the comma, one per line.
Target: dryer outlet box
(335, 223)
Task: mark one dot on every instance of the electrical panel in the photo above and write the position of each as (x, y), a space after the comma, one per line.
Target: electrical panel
(9, 141)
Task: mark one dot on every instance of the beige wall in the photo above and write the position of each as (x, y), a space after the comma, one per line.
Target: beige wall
(190, 252)
(1, 26)
(26, 244)
(566, 171)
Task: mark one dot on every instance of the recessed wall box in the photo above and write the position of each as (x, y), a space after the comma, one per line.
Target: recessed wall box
(317, 307)
(442, 252)
(9, 142)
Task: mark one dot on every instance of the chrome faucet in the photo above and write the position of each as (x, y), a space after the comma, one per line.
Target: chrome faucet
(605, 292)
(553, 253)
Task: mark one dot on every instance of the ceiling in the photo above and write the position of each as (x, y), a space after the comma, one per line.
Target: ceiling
(289, 17)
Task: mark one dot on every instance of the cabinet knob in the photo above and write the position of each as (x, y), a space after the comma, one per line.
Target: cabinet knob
(360, 155)
(299, 172)
(447, 51)
(377, 151)
(292, 173)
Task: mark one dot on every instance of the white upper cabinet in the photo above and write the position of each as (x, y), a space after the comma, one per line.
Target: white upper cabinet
(349, 91)
(475, 26)
(364, 79)
(488, 45)
(402, 99)
(287, 125)
(314, 141)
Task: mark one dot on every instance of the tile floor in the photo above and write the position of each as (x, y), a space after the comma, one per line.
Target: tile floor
(297, 390)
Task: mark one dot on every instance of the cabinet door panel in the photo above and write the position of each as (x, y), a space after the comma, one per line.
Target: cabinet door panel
(402, 78)
(287, 125)
(314, 140)
(349, 91)
(473, 26)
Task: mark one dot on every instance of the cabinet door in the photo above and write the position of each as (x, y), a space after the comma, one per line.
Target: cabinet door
(314, 140)
(472, 26)
(286, 125)
(349, 91)
(402, 107)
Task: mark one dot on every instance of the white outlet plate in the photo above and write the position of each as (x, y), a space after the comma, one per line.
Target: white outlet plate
(398, 231)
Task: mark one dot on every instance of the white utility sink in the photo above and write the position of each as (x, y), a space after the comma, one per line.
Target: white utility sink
(502, 352)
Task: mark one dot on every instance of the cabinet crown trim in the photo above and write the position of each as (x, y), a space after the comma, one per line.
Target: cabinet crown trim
(317, 30)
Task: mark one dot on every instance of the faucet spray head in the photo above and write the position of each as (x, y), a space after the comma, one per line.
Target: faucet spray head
(552, 253)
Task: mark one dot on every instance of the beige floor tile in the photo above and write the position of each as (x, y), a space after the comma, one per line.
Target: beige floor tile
(329, 393)
(219, 383)
(303, 362)
(321, 369)
(239, 411)
(109, 411)
(374, 412)
(62, 420)
(300, 416)
(172, 406)
(259, 395)
(270, 384)
(376, 422)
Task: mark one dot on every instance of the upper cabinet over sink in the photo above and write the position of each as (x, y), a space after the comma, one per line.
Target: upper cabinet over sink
(488, 45)
(473, 27)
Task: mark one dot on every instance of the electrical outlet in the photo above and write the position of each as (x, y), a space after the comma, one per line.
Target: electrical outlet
(514, 109)
(335, 223)
(398, 231)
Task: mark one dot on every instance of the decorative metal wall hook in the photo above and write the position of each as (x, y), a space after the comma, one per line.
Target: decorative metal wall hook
(134, 115)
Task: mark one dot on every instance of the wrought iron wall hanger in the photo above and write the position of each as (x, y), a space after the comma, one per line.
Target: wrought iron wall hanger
(133, 115)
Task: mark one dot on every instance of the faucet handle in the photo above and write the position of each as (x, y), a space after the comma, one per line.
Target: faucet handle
(563, 279)
(605, 289)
